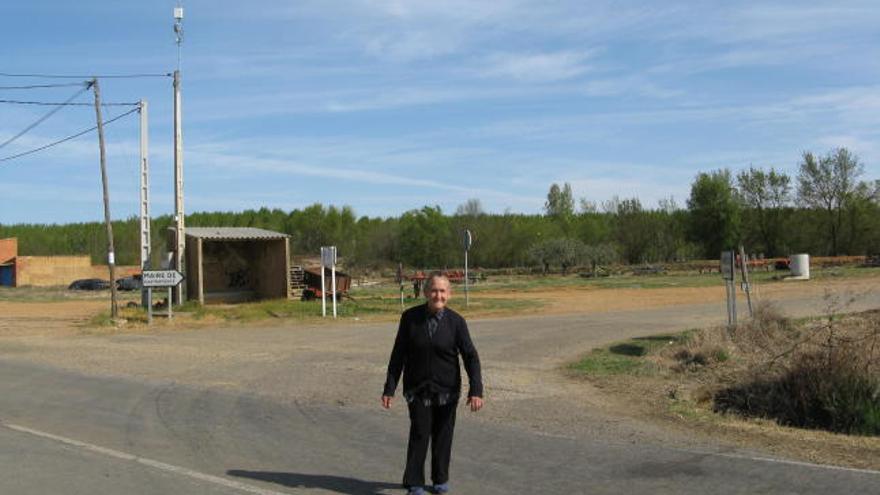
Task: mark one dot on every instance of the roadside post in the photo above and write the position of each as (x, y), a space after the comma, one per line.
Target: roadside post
(746, 286)
(151, 279)
(328, 258)
(467, 240)
(728, 273)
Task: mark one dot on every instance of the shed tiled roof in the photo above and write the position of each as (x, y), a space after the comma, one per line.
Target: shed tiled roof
(233, 233)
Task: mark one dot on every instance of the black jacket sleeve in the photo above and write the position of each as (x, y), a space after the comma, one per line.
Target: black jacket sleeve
(471, 360)
(398, 358)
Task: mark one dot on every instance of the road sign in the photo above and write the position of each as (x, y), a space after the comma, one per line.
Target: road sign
(467, 239)
(162, 278)
(727, 261)
(328, 255)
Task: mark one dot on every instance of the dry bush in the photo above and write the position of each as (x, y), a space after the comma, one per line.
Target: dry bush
(701, 350)
(766, 335)
(823, 375)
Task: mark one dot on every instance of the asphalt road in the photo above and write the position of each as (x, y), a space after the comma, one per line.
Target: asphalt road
(66, 432)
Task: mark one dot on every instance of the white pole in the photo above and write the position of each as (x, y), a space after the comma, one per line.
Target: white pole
(333, 282)
(323, 287)
(146, 299)
(180, 247)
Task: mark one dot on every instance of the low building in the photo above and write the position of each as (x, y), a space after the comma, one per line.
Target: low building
(47, 271)
(235, 264)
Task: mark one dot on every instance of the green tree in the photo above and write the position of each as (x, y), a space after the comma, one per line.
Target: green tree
(633, 230)
(829, 184)
(560, 202)
(562, 252)
(426, 239)
(597, 255)
(714, 212)
(765, 196)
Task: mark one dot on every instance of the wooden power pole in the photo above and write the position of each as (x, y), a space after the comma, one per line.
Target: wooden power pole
(111, 256)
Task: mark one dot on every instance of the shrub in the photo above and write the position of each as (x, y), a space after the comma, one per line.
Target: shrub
(825, 377)
(839, 395)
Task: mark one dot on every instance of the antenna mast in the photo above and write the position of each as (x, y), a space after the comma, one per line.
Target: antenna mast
(178, 30)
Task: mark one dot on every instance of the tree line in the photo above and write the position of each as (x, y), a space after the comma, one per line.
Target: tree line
(825, 210)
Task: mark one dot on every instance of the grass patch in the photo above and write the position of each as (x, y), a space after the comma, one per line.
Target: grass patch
(603, 362)
(626, 357)
(101, 320)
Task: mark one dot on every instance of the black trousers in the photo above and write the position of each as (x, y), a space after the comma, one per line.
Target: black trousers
(432, 424)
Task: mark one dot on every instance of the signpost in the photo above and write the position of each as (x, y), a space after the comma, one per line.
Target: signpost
(328, 257)
(728, 273)
(744, 269)
(467, 240)
(151, 279)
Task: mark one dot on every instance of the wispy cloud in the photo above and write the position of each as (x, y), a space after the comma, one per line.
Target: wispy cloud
(348, 169)
(537, 67)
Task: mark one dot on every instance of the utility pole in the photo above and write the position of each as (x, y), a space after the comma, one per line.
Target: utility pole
(180, 235)
(146, 249)
(111, 261)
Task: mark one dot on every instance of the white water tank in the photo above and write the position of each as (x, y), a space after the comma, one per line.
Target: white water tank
(800, 266)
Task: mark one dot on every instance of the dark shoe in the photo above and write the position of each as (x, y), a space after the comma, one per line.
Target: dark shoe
(441, 488)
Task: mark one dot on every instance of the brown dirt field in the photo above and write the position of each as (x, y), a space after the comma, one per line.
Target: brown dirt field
(592, 300)
(46, 318)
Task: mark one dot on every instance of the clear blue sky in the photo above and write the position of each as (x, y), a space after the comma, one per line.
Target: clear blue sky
(390, 105)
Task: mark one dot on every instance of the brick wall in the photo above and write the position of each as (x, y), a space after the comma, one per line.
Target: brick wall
(8, 249)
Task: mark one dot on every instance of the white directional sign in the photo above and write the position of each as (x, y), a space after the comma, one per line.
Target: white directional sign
(162, 278)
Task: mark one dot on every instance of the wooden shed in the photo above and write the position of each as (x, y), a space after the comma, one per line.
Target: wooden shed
(236, 264)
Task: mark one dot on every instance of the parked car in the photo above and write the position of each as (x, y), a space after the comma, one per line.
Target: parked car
(129, 283)
(89, 284)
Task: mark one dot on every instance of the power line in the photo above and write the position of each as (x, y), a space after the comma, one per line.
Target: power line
(68, 138)
(106, 76)
(46, 103)
(44, 117)
(41, 86)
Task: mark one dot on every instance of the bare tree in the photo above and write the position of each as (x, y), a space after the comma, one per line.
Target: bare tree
(588, 206)
(471, 208)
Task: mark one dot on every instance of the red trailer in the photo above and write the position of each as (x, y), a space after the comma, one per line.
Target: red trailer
(312, 282)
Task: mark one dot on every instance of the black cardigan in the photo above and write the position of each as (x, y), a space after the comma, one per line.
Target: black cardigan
(430, 364)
